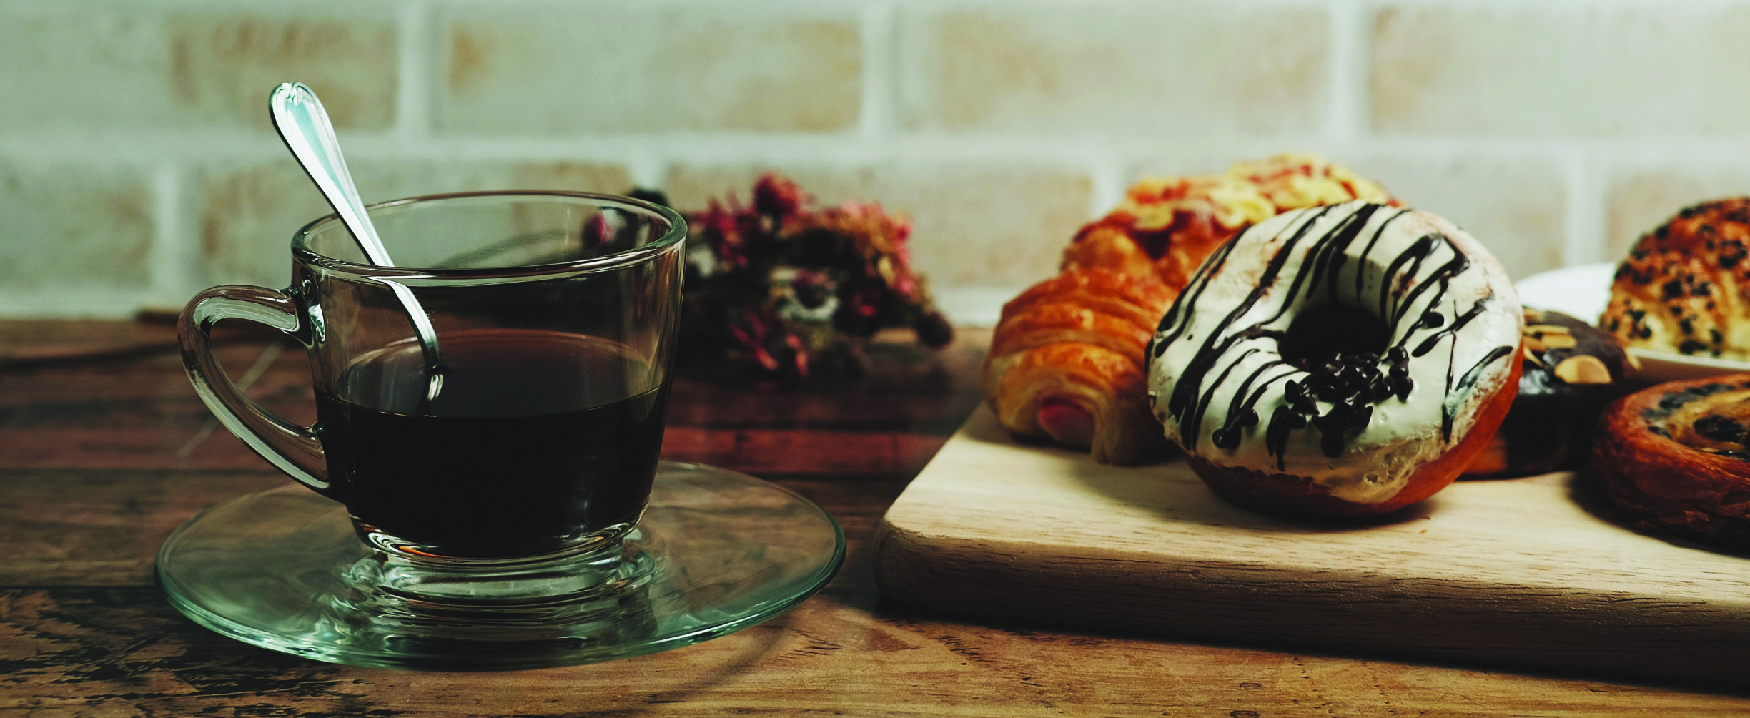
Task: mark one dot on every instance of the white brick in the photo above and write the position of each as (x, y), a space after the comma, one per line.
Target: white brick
(1131, 69)
(625, 68)
(1518, 208)
(84, 66)
(1576, 69)
(68, 225)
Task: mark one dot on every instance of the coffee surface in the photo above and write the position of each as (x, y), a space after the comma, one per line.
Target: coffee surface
(536, 439)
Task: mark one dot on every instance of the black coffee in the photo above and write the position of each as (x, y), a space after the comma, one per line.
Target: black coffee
(537, 438)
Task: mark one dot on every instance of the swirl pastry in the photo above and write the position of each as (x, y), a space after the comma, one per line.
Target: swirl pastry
(1065, 370)
(1673, 458)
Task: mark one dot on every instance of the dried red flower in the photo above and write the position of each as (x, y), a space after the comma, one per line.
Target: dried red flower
(776, 196)
(783, 292)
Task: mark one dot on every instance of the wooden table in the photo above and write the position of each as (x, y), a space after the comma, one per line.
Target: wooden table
(101, 458)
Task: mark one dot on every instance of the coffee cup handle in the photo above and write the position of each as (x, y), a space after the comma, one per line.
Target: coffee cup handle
(293, 449)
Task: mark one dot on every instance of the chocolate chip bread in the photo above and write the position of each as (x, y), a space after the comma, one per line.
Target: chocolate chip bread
(1685, 287)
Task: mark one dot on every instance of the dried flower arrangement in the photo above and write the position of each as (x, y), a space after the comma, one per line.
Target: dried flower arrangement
(778, 292)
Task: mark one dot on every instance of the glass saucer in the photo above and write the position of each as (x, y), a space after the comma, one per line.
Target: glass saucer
(716, 552)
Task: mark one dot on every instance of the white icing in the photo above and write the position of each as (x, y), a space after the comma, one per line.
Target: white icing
(1402, 435)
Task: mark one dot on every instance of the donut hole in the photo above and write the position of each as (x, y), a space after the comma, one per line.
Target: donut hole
(1319, 334)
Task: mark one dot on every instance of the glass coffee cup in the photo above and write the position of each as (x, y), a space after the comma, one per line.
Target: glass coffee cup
(556, 341)
(494, 496)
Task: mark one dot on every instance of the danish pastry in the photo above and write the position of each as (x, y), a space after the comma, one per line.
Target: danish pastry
(1675, 458)
(1170, 224)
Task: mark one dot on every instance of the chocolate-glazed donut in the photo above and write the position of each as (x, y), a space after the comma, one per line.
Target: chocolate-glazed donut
(1571, 372)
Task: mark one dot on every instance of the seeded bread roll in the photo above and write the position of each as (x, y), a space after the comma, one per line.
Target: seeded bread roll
(1675, 458)
(1571, 372)
(1683, 288)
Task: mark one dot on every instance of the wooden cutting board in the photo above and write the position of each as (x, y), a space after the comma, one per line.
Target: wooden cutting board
(1527, 573)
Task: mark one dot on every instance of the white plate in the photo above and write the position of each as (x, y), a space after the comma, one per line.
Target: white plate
(1583, 291)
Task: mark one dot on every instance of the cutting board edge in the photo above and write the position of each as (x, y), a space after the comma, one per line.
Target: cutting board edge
(927, 559)
(1452, 622)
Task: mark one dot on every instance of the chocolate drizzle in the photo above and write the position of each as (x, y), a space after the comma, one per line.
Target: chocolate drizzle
(1184, 395)
(1336, 395)
(1175, 317)
(1449, 408)
(1241, 413)
(1427, 345)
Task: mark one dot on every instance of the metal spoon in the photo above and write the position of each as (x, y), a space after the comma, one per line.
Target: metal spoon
(304, 125)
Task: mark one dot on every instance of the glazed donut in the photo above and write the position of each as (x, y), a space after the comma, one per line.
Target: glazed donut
(1570, 371)
(1338, 361)
(1675, 459)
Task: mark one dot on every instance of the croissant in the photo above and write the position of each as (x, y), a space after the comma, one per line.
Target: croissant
(1066, 362)
(1683, 288)
(1067, 358)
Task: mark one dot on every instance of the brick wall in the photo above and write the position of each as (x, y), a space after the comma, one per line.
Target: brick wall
(137, 164)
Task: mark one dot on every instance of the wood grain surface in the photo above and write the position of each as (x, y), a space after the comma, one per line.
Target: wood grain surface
(102, 456)
(1533, 572)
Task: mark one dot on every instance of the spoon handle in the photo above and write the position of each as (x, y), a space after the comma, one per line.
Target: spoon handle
(304, 125)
